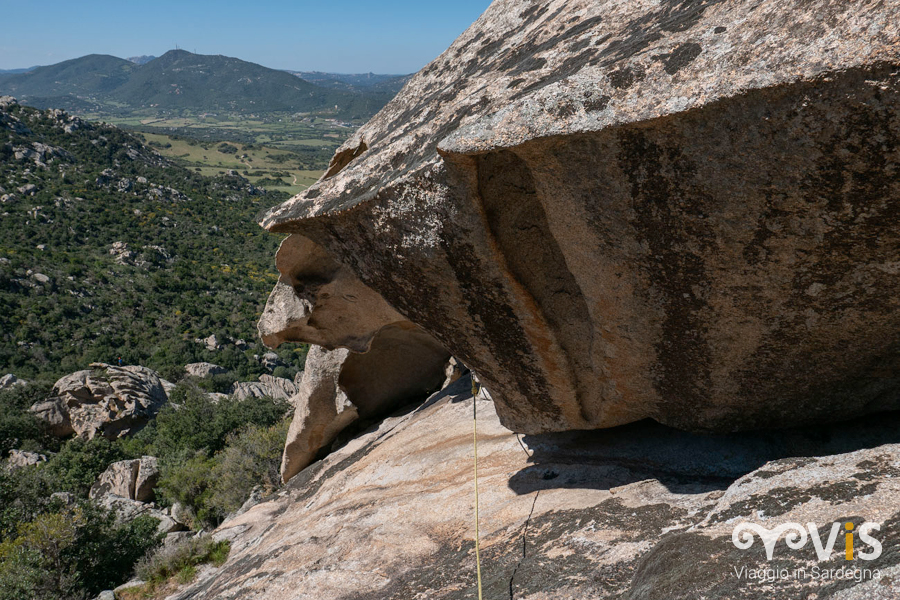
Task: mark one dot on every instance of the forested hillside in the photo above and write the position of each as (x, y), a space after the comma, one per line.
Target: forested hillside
(182, 81)
(107, 250)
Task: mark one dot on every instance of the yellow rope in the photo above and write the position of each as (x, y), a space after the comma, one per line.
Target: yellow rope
(475, 453)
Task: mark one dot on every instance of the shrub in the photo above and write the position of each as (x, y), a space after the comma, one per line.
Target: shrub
(199, 423)
(24, 495)
(188, 479)
(251, 459)
(79, 463)
(19, 429)
(211, 488)
(74, 553)
(179, 561)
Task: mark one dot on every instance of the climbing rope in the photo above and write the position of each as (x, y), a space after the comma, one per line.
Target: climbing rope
(475, 390)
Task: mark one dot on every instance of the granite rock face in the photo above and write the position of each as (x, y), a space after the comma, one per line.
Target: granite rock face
(339, 386)
(131, 479)
(641, 511)
(104, 400)
(366, 359)
(687, 211)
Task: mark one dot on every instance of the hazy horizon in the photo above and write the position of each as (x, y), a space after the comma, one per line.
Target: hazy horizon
(392, 37)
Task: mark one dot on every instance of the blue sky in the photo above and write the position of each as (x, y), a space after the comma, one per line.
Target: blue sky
(342, 36)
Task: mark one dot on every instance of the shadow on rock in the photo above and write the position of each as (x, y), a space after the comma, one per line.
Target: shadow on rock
(686, 463)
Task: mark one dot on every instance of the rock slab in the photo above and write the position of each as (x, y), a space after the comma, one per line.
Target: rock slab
(641, 511)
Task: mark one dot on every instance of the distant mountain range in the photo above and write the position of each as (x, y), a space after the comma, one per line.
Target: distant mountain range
(16, 71)
(182, 81)
(361, 82)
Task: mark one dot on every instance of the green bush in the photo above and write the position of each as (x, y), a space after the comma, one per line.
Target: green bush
(180, 561)
(79, 463)
(74, 553)
(192, 421)
(19, 429)
(251, 459)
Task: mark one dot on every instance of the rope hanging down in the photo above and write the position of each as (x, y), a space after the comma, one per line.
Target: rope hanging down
(475, 390)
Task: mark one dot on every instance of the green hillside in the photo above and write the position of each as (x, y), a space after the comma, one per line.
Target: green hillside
(88, 76)
(109, 250)
(183, 81)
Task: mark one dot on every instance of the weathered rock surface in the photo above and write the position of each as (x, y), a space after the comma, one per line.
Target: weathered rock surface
(55, 415)
(22, 458)
(641, 511)
(391, 361)
(269, 386)
(204, 369)
(402, 363)
(105, 400)
(616, 210)
(132, 479)
(322, 410)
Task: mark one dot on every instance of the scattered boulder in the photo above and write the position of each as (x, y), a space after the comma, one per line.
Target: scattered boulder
(122, 254)
(9, 381)
(212, 342)
(270, 361)
(132, 479)
(105, 400)
(204, 369)
(267, 386)
(128, 510)
(615, 211)
(22, 458)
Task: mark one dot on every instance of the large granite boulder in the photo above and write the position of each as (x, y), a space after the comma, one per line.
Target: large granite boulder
(610, 210)
(132, 479)
(104, 400)
(643, 512)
